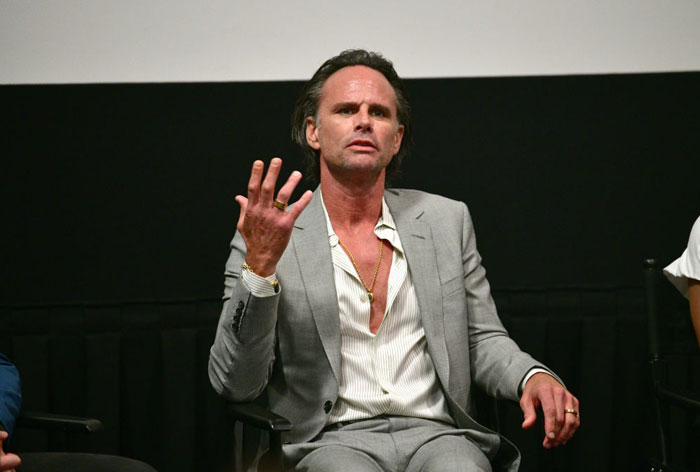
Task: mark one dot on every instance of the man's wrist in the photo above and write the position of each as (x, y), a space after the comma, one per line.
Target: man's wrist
(260, 265)
(260, 286)
(269, 278)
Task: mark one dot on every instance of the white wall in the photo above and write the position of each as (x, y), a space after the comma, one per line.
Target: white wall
(75, 41)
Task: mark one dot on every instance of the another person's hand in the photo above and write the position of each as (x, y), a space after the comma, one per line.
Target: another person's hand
(7, 461)
(265, 227)
(560, 408)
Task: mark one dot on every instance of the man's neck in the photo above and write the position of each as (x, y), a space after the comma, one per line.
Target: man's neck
(353, 204)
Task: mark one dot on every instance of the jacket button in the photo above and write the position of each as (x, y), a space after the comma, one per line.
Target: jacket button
(327, 406)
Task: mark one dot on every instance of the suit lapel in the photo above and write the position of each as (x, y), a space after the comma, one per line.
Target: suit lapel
(313, 254)
(417, 241)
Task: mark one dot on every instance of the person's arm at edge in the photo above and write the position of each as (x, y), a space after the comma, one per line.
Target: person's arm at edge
(694, 301)
(10, 394)
(10, 402)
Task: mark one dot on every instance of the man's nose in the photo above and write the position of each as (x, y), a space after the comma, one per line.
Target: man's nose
(363, 123)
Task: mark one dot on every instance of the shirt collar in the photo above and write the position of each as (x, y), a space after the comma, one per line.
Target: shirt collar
(385, 227)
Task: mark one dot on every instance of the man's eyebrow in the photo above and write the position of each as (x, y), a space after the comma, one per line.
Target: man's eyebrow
(341, 105)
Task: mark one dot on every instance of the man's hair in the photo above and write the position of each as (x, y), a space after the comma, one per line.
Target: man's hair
(307, 105)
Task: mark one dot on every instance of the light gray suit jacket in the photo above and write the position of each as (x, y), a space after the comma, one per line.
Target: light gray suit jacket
(289, 344)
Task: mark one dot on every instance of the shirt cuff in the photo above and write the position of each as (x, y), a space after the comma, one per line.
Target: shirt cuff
(530, 373)
(259, 286)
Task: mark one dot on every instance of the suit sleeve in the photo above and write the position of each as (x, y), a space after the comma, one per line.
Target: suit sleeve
(10, 394)
(241, 358)
(497, 364)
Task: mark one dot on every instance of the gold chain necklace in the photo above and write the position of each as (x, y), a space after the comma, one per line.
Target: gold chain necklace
(370, 295)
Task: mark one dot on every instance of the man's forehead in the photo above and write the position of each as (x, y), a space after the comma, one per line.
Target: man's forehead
(351, 78)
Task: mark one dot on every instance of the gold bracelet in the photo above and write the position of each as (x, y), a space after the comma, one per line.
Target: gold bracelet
(274, 282)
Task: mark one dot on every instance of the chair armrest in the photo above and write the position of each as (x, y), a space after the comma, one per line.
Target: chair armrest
(678, 397)
(65, 423)
(258, 416)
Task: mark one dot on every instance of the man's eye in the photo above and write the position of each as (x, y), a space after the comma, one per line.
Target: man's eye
(378, 113)
(345, 111)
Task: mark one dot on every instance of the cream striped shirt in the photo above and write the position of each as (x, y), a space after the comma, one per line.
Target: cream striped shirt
(389, 372)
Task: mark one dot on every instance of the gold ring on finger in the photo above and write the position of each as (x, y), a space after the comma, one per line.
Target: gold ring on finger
(572, 411)
(278, 204)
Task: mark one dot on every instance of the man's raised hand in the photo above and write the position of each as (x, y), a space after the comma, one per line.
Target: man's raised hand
(266, 228)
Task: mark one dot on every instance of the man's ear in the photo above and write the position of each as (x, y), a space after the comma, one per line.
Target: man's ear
(397, 139)
(312, 133)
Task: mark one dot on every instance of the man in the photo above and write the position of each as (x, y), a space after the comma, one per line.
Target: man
(10, 401)
(364, 312)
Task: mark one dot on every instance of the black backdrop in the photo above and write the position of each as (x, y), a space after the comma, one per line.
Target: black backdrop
(119, 193)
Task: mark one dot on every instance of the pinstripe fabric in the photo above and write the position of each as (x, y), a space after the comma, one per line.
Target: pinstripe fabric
(390, 372)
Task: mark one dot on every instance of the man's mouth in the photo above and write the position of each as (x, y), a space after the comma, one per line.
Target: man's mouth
(362, 143)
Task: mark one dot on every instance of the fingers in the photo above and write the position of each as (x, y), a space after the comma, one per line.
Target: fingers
(285, 192)
(571, 421)
(563, 424)
(265, 229)
(243, 202)
(268, 186)
(299, 206)
(558, 396)
(551, 428)
(254, 182)
(529, 411)
(9, 462)
(263, 193)
(546, 392)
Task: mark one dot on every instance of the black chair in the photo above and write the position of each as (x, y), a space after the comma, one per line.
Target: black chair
(259, 432)
(71, 461)
(673, 354)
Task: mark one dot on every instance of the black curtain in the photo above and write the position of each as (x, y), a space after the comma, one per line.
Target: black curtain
(118, 209)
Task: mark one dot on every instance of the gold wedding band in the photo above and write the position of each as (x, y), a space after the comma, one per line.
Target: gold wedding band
(278, 204)
(572, 411)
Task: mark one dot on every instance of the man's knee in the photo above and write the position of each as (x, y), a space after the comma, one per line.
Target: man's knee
(337, 458)
(449, 454)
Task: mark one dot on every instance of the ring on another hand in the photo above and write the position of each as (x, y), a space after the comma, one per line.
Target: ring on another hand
(571, 410)
(278, 204)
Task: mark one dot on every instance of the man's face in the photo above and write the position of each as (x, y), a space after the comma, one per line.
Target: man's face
(356, 127)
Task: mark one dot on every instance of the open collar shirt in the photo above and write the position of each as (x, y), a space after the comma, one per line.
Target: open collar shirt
(389, 372)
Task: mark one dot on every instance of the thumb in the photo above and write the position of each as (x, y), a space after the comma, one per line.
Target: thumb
(243, 202)
(529, 412)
